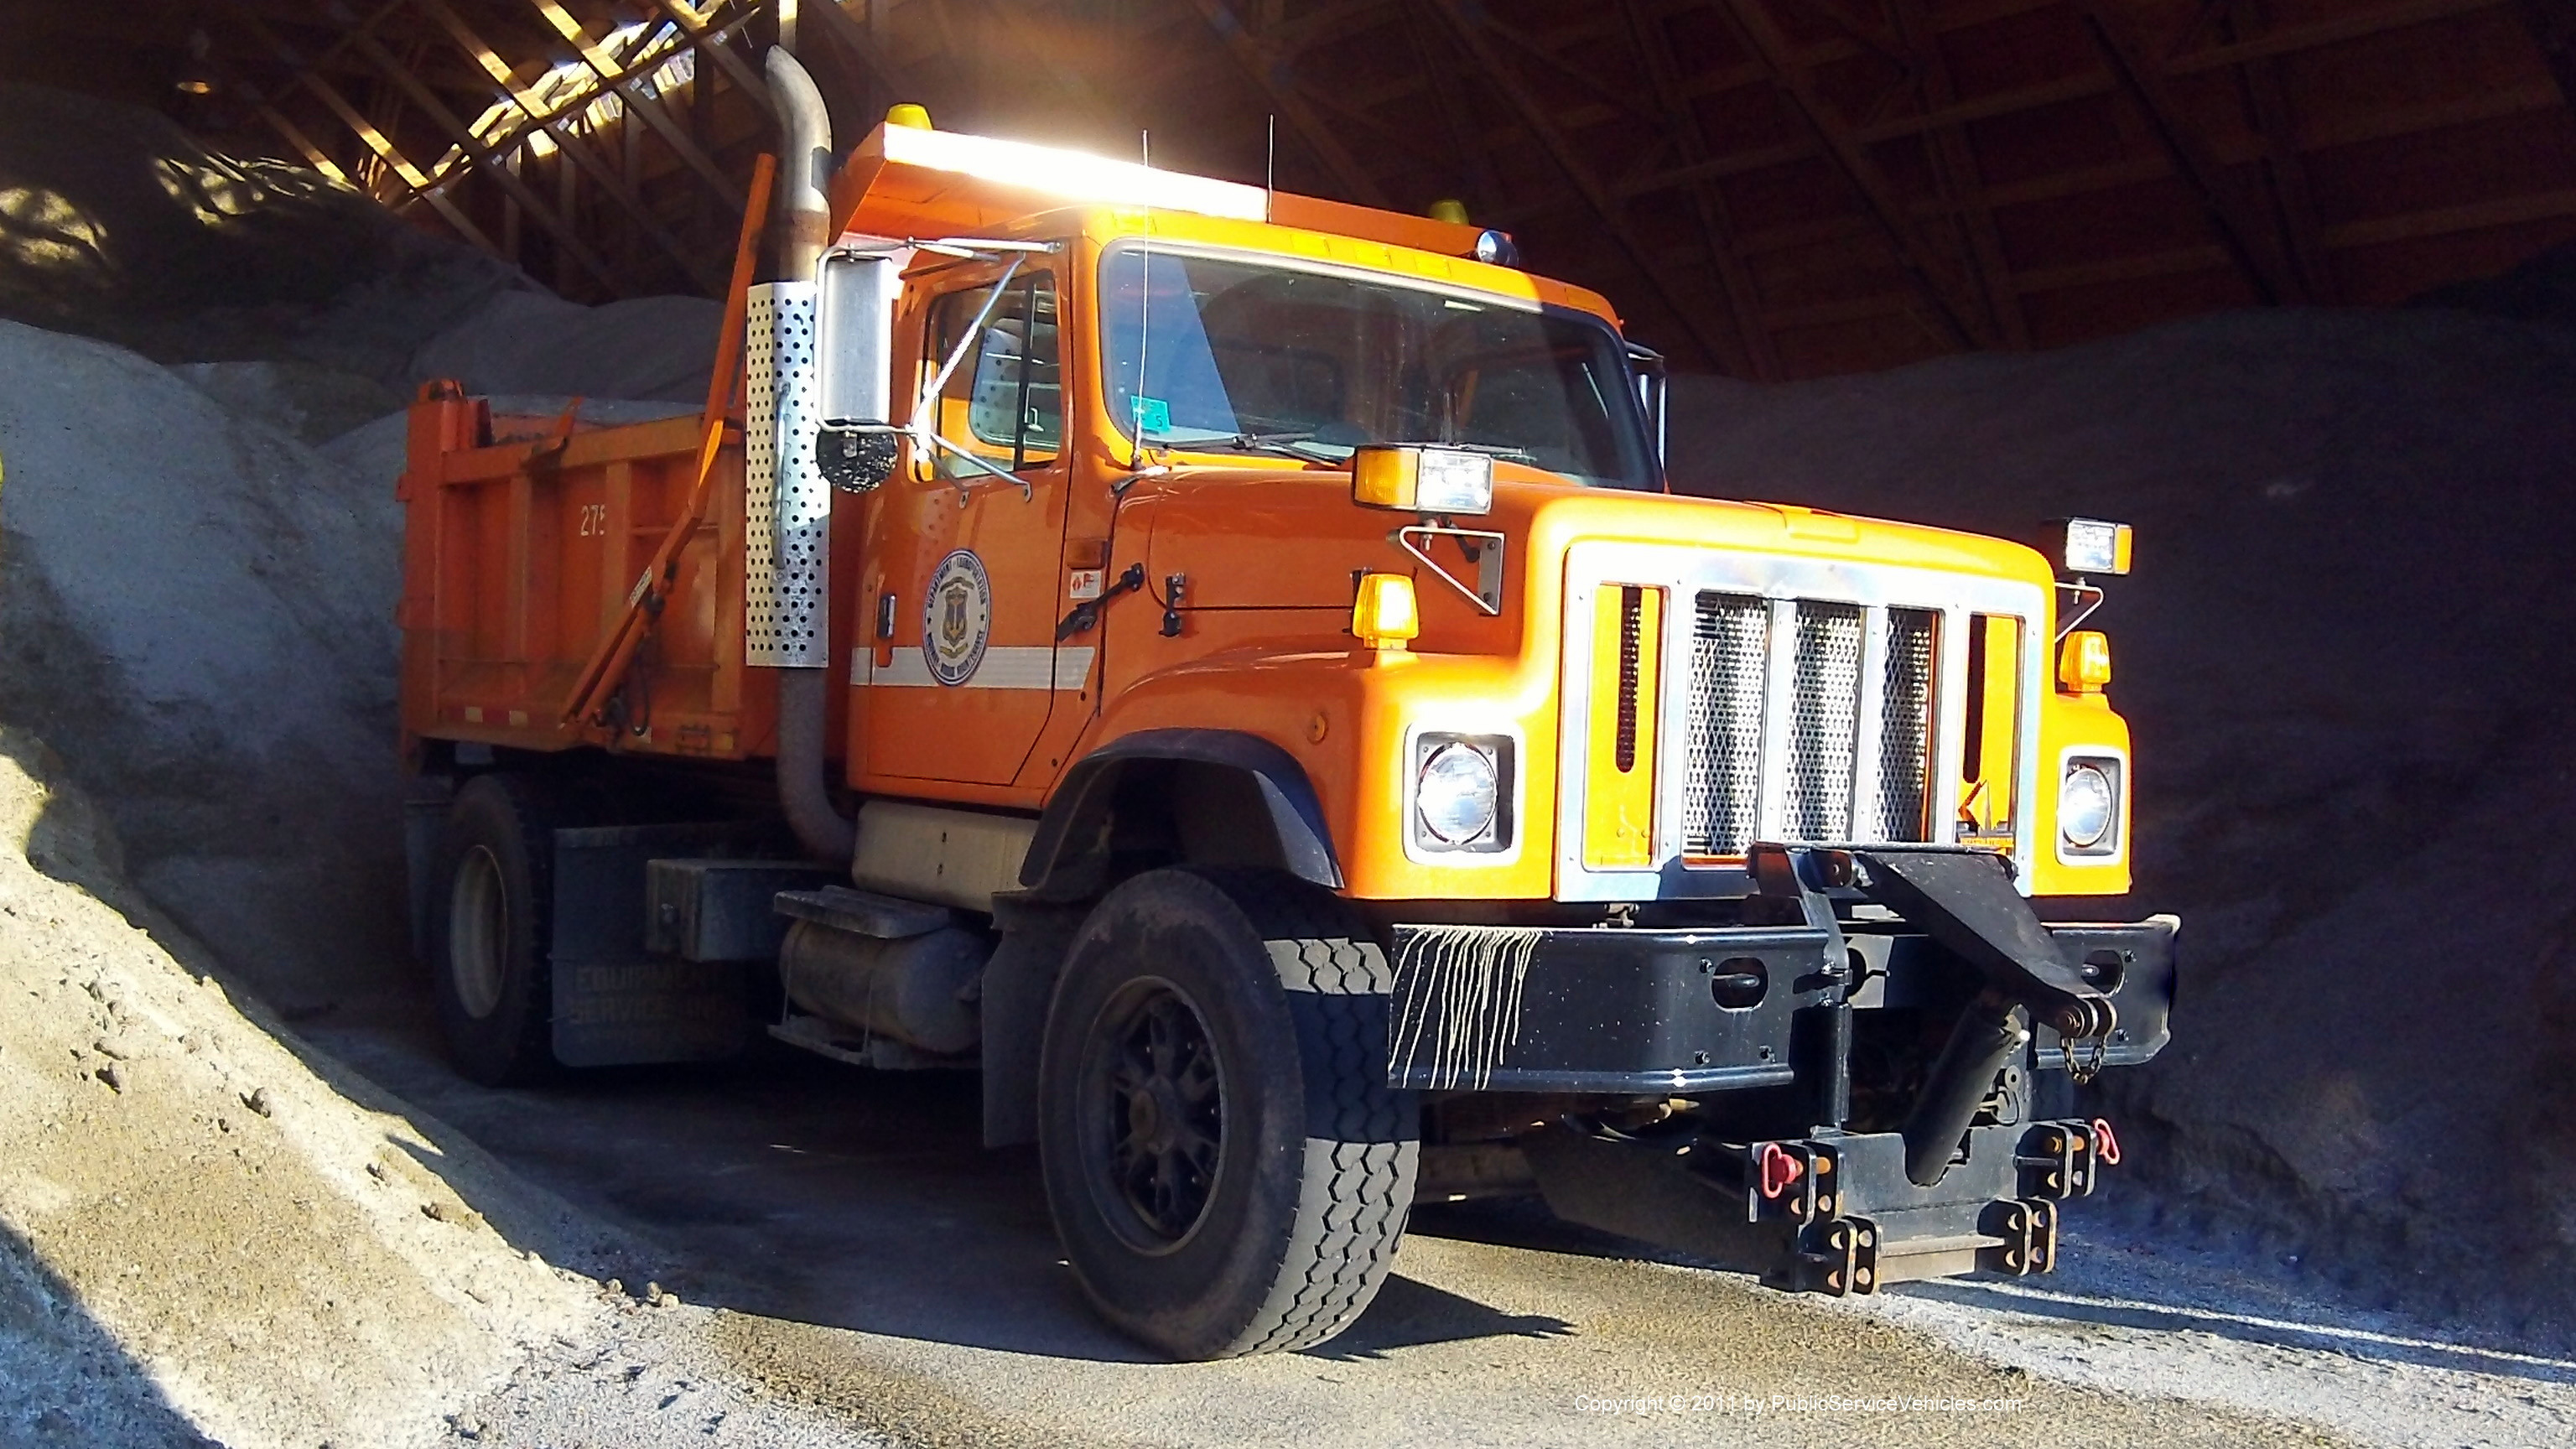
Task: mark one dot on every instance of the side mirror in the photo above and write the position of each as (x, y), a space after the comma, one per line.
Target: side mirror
(854, 454)
(855, 293)
(1646, 369)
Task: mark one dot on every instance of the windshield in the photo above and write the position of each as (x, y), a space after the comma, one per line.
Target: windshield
(1252, 357)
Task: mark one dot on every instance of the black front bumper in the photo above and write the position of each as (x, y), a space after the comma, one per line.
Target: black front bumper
(1638, 1012)
(1786, 1159)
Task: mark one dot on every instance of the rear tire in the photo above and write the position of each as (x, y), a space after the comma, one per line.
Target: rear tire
(1226, 1166)
(491, 931)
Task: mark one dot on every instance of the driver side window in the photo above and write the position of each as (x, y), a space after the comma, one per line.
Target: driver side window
(1005, 401)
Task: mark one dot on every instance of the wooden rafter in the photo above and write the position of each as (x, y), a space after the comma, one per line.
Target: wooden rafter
(1271, 72)
(287, 130)
(414, 180)
(1534, 117)
(855, 41)
(712, 46)
(2552, 26)
(1465, 139)
(627, 86)
(1757, 357)
(1962, 179)
(2249, 239)
(481, 156)
(2285, 171)
(1956, 313)
(570, 142)
(1038, 55)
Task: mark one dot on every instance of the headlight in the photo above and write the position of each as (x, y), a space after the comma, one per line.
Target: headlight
(1460, 789)
(2088, 805)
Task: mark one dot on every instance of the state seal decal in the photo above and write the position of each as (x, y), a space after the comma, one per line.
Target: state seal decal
(956, 617)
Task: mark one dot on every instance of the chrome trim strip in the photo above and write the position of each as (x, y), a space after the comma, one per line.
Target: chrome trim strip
(1689, 571)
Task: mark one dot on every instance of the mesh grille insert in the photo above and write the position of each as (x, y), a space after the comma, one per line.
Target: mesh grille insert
(1824, 722)
(1730, 664)
(1905, 725)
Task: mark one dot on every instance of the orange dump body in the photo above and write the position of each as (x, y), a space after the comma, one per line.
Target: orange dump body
(525, 539)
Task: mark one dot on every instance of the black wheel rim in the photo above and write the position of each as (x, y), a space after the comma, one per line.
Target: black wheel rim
(1156, 1093)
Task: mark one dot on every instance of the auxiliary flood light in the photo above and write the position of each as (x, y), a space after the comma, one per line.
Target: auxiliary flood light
(2094, 546)
(1422, 479)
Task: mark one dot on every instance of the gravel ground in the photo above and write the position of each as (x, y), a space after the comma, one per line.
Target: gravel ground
(846, 1255)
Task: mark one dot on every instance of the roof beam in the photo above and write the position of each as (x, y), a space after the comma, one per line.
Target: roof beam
(1956, 314)
(413, 179)
(570, 142)
(1466, 137)
(2293, 39)
(2552, 24)
(2246, 235)
(1963, 181)
(475, 151)
(2285, 172)
(627, 86)
(1270, 69)
(1534, 117)
(1758, 358)
(711, 45)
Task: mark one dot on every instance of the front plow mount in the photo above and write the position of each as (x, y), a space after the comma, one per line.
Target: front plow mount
(1830, 1214)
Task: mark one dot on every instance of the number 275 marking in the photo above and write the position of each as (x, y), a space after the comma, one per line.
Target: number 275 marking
(594, 520)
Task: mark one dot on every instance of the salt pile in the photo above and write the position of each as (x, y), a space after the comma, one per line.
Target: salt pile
(2344, 654)
(205, 1227)
(202, 557)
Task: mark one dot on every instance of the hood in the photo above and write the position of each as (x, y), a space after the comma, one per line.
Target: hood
(1275, 538)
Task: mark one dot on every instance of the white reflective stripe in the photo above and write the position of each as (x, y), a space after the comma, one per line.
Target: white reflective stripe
(1004, 666)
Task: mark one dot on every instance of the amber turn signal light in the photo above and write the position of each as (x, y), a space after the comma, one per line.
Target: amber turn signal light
(2084, 662)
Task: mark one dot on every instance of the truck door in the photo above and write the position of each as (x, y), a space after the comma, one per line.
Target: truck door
(962, 557)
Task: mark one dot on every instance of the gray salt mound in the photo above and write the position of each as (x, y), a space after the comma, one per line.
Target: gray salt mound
(196, 608)
(653, 348)
(2344, 656)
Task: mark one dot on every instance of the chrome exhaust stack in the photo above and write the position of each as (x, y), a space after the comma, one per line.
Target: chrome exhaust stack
(789, 507)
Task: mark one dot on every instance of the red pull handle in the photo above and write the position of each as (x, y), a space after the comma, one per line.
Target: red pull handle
(2106, 1143)
(1778, 1168)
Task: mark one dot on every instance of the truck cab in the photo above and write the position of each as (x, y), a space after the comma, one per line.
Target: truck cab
(1229, 671)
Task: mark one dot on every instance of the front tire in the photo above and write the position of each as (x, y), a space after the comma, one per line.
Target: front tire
(491, 932)
(1226, 1166)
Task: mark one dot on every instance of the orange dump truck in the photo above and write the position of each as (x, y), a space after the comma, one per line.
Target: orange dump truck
(1225, 669)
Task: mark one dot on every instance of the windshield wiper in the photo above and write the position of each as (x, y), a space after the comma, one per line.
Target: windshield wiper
(1504, 451)
(1284, 444)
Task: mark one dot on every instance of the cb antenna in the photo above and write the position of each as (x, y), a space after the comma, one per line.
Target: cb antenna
(1144, 316)
(1270, 173)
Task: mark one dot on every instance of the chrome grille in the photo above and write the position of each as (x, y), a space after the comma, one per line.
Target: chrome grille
(1730, 654)
(1824, 722)
(1844, 692)
(1905, 724)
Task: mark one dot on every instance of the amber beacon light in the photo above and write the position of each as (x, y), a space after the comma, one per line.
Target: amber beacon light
(1386, 614)
(2084, 662)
